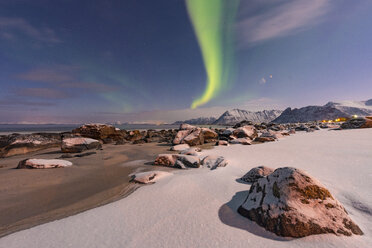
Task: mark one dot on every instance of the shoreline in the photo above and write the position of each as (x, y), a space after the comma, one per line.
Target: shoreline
(32, 197)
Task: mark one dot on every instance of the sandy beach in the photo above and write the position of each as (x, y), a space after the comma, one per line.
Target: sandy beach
(32, 197)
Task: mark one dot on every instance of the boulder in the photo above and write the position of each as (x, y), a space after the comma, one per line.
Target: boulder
(242, 141)
(180, 136)
(246, 132)
(180, 147)
(359, 122)
(189, 161)
(291, 203)
(17, 144)
(149, 176)
(185, 126)
(195, 138)
(264, 139)
(166, 160)
(103, 132)
(256, 173)
(222, 143)
(43, 163)
(209, 135)
(227, 132)
(79, 144)
(213, 162)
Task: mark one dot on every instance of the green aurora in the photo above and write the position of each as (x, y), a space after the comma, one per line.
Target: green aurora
(213, 22)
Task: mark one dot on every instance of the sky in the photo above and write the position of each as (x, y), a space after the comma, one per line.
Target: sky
(67, 61)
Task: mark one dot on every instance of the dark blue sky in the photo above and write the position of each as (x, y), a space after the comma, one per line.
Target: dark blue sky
(138, 60)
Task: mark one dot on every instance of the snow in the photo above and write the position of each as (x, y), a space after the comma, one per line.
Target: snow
(78, 141)
(149, 176)
(197, 207)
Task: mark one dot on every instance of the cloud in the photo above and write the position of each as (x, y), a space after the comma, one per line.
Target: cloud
(45, 93)
(62, 76)
(281, 20)
(11, 27)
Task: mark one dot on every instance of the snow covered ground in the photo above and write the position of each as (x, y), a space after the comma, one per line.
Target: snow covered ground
(197, 207)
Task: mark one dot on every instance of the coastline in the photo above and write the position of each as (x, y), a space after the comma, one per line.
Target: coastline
(33, 197)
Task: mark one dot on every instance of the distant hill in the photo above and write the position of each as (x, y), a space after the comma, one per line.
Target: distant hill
(198, 121)
(234, 116)
(329, 111)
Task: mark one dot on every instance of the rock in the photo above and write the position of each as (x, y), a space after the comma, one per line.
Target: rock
(245, 132)
(180, 136)
(242, 141)
(359, 122)
(209, 135)
(292, 131)
(166, 160)
(213, 162)
(193, 151)
(17, 144)
(195, 138)
(222, 143)
(180, 147)
(43, 163)
(103, 132)
(264, 139)
(290, 203)
(185, 126)
(149, 176)
(256, 173)
(189, 161)
(76, 145)
(227, 132)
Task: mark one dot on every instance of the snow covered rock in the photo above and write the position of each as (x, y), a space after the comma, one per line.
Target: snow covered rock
(290, 203)
(185, 126)
(180, 147)
(256, 173)
(79, 144)
(242, 141)
(166, 160)
(246, 132)
(180, 136)
(222, 143)
(359, 122)
(43, 163)
(213, 162)
(189, 160)
(193, 151)
(17, 144)
(196, 137)
(149, 176)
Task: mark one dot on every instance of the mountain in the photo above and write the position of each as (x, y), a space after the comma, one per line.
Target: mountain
(198, 121)
(234, 116)
(330, 111)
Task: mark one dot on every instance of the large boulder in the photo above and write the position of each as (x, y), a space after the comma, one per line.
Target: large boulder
(166, 160)
(246, 132)
(43, 163)
(196, 137)
(256, 173)
(185, 126)
(290, 203)
(213, 162)
(17, 144)
(359, 122)
(103, 132)
(209, 135)
(180, 136)
(79, 144)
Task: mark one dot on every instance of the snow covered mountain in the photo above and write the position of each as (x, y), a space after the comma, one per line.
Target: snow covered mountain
(198, 121)
(234, 116)
(330, 111)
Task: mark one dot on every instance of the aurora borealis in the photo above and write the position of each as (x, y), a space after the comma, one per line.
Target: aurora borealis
(169, 60)
(213, 21)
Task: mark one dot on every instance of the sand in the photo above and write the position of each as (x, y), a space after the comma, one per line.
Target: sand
(31, 197)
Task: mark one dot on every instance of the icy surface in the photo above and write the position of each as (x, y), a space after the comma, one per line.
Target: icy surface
(197, 208)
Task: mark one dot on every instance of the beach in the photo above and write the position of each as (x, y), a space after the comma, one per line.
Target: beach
(32, 197)
(198, 207)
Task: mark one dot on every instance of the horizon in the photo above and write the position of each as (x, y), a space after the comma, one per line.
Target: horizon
(133, 62)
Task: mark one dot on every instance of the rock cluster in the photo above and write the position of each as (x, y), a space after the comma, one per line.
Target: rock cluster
(290, 203)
